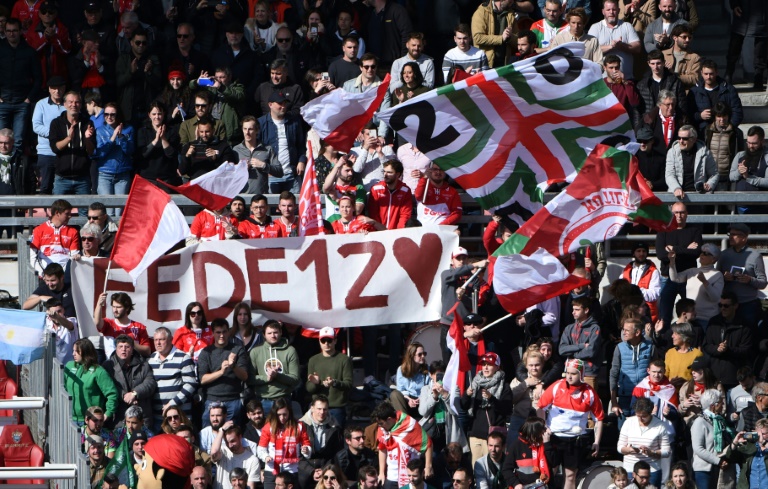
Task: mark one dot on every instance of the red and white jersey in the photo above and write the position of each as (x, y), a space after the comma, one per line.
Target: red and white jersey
(570, 407)
(441, 205)
(53, 245)
(135, 330)
(250, 229)
(289, 228)
(208, 226)
(354, 226)
(185, 338)
(392, 209)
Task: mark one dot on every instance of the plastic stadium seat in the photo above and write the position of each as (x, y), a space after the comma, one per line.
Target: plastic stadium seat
(18, 449)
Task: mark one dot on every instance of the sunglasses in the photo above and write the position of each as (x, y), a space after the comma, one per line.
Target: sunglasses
(194, 313)
(704, 253)
(201, 106)
(173, 417)
(369, 67)
(140, 43)
(88, 238)
(422, 354)
(94, 218)
(326, 340)
(110, 114)
(284, 39)
(182, 36)
(329, 477)
(724, 306)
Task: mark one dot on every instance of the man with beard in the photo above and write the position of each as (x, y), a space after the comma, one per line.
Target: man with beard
(616, 37)
(259, 224)
(545, 29)
(390, 201)
(122, 305)
(340, 181)
(136, 444)
(203, 110)
(679, 59)
(437, 202)
(658, 32)
(256, 419)
(288, 221)
(643, 273)
(748, 168)
(237, 209)
(97, 461)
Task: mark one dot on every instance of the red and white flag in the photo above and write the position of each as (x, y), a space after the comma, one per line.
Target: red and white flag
(310, 209)
(456, 371)
(215, 189)
(151, 225)
(522, 281)
(339, 116)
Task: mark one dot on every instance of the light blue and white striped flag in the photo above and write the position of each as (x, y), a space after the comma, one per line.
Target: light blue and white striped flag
(22, 335)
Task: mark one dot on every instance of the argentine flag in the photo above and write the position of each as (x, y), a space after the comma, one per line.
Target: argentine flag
(22, 335)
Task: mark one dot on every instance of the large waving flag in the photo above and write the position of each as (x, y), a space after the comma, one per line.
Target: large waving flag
(505, 135)
(150, 226)
(608, 191)
(339, 116)
(310, 208)
(22, 335)
(215, 189)
(456, 371)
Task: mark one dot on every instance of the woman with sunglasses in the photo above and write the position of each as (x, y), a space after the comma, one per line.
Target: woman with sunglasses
(244, 333)
(173, 418)
(703, 284)
(114, 155)
(410, 378)
(195, 334)
(332, 478)
(283, 441)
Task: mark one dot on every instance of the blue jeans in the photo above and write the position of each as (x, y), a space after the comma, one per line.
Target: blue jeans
(13, 116)
(70, 186)
(117, 184)
(702, 479)
(669, 292)
(289, 182)
(46, 170)
(234, 411)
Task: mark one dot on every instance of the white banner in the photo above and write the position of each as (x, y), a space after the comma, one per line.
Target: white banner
(346, 280)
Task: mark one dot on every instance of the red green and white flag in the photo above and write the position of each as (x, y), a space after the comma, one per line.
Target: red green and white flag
(409, 441)
(608, 191)
(122, 465)
(505, 135)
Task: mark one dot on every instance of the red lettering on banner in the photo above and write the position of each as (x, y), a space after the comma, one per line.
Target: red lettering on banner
(420, 261)
(317, 253)
(202, 258)
(100, 274)
(257, 278)
(354, 299)
(156, 288)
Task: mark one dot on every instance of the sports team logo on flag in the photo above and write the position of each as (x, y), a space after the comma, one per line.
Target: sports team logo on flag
(505, 135)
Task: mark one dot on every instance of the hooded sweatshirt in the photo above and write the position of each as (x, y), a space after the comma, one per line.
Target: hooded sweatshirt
(282, 355)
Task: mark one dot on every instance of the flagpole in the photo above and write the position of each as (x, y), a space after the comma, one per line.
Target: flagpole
(106, 278)
(497, 322)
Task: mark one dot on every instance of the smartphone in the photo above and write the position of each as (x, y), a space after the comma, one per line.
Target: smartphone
(373, 133)
(205, 82)
(325, 76)
(313, 30)
(439, 377)
(751, 437)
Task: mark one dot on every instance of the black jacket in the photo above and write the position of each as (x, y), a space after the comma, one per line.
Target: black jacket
(194, 167)
(74, 160)
(679, 239)
(494, 415)
(137, 376)
(738, 348)
(23, 76)
(517, 468)
(669, 81)
(155, 162)
(394, 27)
(698, 100)
(334, 441)
(350, 464)
(21, 177)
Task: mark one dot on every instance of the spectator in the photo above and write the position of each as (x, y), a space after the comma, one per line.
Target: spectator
(643, 273)
(174, 372)
(437, 202)
(16, 176)
(122, 306)
(222, 368)
(411, 377)
(238, 479)
(728, 343)
(623, 88)
(582, 340)
(133, 377)
(748, 168)
(139, 79)
(206, 153)
(97, 461)
(690, 393)
(488, 472)
(227, 95)
(354, 456)
(200, 478)
(369, 80)
(282, 431)
(46, 110)
(616, 37)
(333, 478)
(259, 224)
(288, 221)
(129, 23)
(97, 214)
(531, 456)
(89, 384)
(678, 359)
(651, 159)
(177, 99)
(275, 366)
(157, 146)
(414, 47)
(389, 201)
(756, 410)
(184, 56)
(747, 22)
(547, 27)
(136, 444)
(330, 375)
(662, 394)
(347, 66)
(388, 28)
(217, 414)
(173, 419)
(494, 30)
(244, 333)
(203, 111)
(90, 237)
(94, 425)
(464, 56)
(400, 439)
(641, 475)
(487, 401)
(738, 398)
(54, 241)
(552, 366)
(211, 225)
(367, 478)
(94, 108)
(61, 327)
(232, 456)
(290, 54)
(658, 34)
(335, 42)
(438, 419)
(690, 165)
(325, 440)
(259, 30)
(114, 155)
(17, 92)
(462, 478)
(526, 45)
(73, 141)
(411, 84)
(577, 22)
(750, 455)
(711, 435)
(288, 148)
(371, 155)
(708, 91)
(708, 283)
(237, 57)
(53, 287)
(724, 139)
(318, 84)
(679, 60)
(631, 360)
(644, 438)
(527, 392)
(744, 273)
(341, 181)
(659, 86)
(256, 420)
(620, 478)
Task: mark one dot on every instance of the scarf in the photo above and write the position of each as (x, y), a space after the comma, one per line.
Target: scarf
(286, 447)
(540, 460)
(408, 439)
(723, 433)
(494, 384)
(5, 169)
(669, 128)
(697, 387)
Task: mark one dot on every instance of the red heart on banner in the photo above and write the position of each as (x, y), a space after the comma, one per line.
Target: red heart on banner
(420, 261)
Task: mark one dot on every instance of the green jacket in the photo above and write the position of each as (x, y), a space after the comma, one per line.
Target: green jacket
(285, 381)
(743, 455)
(93, 387)
(339, 368)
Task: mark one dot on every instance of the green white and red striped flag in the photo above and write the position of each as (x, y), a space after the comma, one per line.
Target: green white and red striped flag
(505, 135)
(607, 192)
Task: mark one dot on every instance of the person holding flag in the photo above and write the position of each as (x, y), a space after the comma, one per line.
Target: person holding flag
(400, 439)
(436, 201)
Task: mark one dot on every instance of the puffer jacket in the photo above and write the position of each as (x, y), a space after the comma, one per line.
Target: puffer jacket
(724, 145)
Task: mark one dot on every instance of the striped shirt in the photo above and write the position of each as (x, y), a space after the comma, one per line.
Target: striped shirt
(456, 58)
(653, 436)
(176, 380)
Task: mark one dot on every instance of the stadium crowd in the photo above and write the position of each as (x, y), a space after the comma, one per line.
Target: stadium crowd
(668, 376)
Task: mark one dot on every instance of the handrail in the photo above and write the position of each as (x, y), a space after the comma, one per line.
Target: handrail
(23, 403)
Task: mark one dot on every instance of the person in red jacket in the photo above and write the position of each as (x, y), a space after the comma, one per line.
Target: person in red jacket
(259, 224)
(391, 201)
(348, 223)
(437, 202)
(26, 11)
(195, 334)
(212, 226)
(50, 38)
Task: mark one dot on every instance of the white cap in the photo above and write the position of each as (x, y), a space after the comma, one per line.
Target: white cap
(459, 251)
(327, 332)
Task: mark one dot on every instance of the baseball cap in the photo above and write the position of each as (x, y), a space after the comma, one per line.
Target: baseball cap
(739, 226)
(277, 97)
(56, 81)
(92, 7)
(640, 245)
(459, 251)
(473, 319)
(644, 134)
(327, 332)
